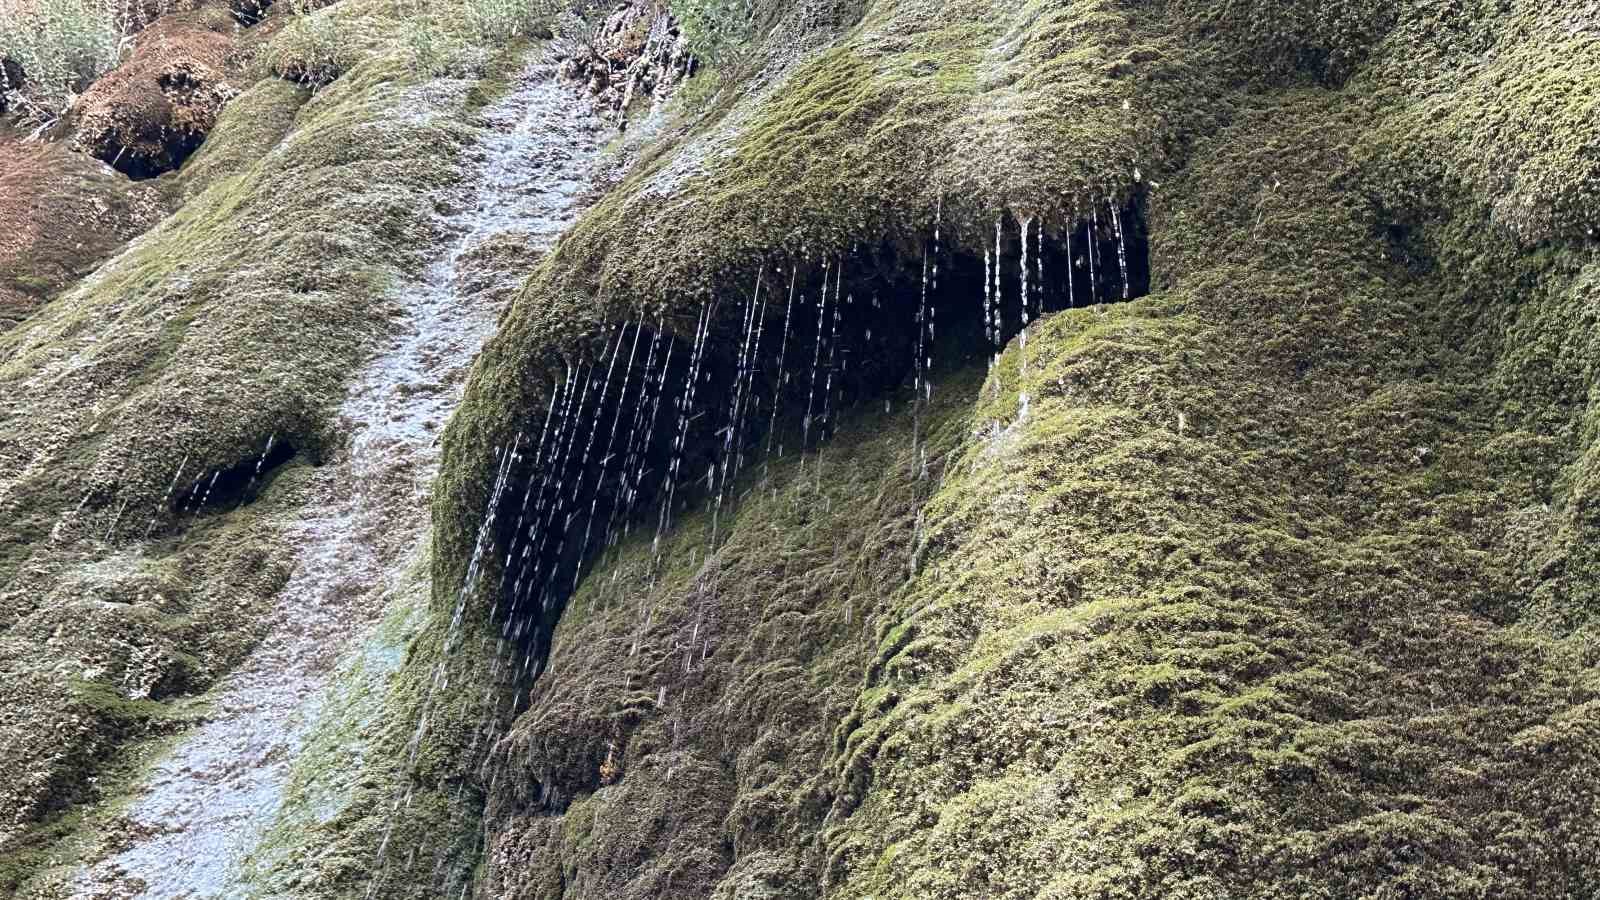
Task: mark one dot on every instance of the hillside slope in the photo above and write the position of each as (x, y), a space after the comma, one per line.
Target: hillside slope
(1104, 448)
(1278, 581)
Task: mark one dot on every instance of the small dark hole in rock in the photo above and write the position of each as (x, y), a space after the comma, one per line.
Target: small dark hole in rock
(249, 12)
(1403, 246)
(140, 166)
(236, 485)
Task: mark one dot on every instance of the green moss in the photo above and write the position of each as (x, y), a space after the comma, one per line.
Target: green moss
(1284, 585)
(1271, 591)
(251, 126)
(776, 627)
(340, 804)
(33, 284)
(112, 705)
(1239, 627)
(241, 316)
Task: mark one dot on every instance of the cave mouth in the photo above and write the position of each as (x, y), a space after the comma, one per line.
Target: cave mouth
(235, 485)
(666, 414)
(140, 163)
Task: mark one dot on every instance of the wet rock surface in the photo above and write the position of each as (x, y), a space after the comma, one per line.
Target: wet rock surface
(205, 807)
(209, 336)
(1238, 542)
(1189, 604)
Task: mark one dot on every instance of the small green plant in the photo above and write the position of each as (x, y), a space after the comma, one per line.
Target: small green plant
(503, 20)
(310, 50)
(55, 48)
(717, 29)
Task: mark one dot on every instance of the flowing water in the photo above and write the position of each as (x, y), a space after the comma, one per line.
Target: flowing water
(203, 807)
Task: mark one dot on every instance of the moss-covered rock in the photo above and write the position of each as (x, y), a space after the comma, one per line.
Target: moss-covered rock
(1279, 583)
(137, 563)
(61, 214)
(147, 116)
(685, 721)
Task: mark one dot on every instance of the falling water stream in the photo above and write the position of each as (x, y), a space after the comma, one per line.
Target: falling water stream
(202, 808)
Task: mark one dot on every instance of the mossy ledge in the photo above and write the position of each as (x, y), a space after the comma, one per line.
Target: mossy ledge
(232, 326)
(1283, 584)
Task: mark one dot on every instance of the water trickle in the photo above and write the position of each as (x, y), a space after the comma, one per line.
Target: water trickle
(631, 464)
(1122, 247)
(210, 485)
(816, 362)
(920, 351)
(1072, 296)
(1094, 281)
(551, 504)
(527, 494)
(1023, 294)
(255, 474)
(640, 464)
(549, 483)
(732, 433)
(999, 327)
(616, 420)
(440, 680)
(1038, 243)
(165, 498)
(691, 386)
(116, 519)
(988, 323)
(783, 373)
(750, 397)
(833, 355)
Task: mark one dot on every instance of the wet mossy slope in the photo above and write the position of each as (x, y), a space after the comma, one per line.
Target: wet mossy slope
(1224, 617)
(1283, 584)
(133, 574)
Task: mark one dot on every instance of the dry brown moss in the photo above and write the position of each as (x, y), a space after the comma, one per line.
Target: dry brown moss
(60, 214)
(150, 113)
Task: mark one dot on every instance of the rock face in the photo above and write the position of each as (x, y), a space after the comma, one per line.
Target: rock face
(150, 113)
(637, 52)
(1276, 581)
(140, 561)
(967, 449)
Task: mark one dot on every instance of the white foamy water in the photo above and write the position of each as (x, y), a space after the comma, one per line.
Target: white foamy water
(206, 805)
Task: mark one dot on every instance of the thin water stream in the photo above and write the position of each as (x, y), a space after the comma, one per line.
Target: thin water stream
(201, 809)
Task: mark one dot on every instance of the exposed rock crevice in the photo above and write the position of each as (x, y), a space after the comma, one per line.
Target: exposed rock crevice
(637, 52)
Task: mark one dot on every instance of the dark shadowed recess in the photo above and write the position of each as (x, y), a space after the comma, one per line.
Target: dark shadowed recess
(176, 150)
(670, 417)
(157, 147)
(236, 485)
(249, 12)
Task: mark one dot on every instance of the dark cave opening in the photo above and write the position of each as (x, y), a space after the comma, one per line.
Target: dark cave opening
(153, 146)
(176, 148)
(667, 415)
(236, 485)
